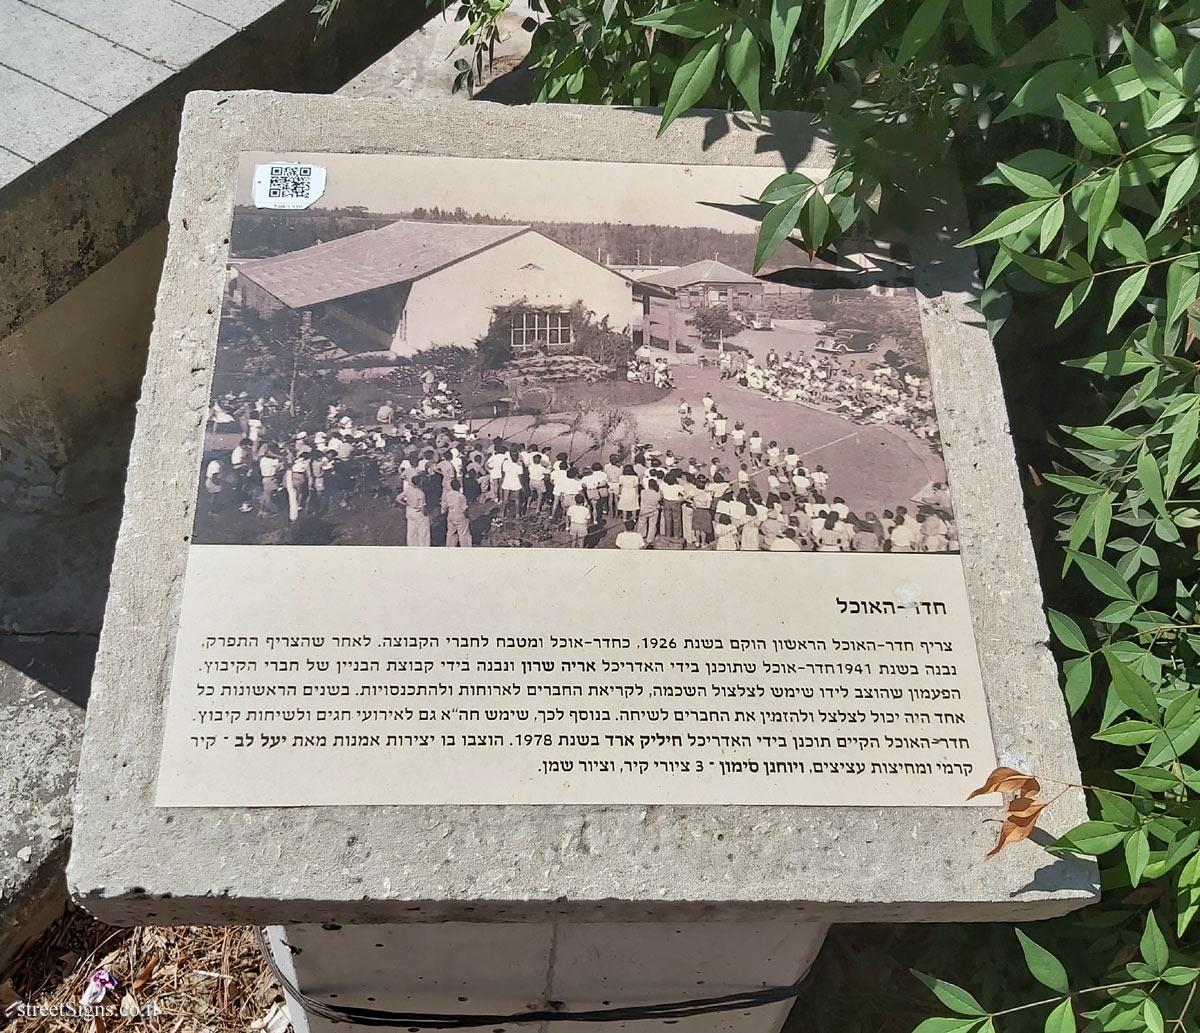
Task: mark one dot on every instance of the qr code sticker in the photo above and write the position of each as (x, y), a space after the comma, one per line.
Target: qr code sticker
(290, 181)
(287, 184)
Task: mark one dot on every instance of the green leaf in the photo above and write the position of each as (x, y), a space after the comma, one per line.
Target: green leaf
(921, 27)
(1092, 837)
(1137, 855)
(814, 221)
(1180, 294)
(1125, 239)
(1120, 84)
(1116, 363)
(1128, 733)
(785, 16)
(1154, 73)
(1030, 183)
(1150, 478)
(1061, 1019)
(837, 17)
(1127, 294)
(1100, 209)
(742, 62)
(1183, 438)
(1039, 93)
(691, 81)
(1131, 688)
(1077, 682)
(1167, 112)
(776, 226)
(692, 20)
(943, 1025)
(1178, 185)
(1052, 222)
(1191, 73)
(1154, 946)
(1066, 631)
(1187, 894)
(953, 997)
(1163, 40)
(1075, 483)
(1075, 297)
(1117, 613)
(979, 15)
(1044, 966)
(1090, 129)
(1107, 438)
(1155, 779)
(1043, 268)
(1010, 222)
(1152, 1016)
(786, 187)
(1103, 576)
(1178, 975)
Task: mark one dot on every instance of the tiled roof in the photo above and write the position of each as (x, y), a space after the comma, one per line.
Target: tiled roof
(397, 253)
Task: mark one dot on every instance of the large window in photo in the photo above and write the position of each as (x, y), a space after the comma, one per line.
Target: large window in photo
(531, 330)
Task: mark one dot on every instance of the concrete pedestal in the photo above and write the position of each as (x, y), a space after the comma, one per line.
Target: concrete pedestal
(504, 969)
(510, 907)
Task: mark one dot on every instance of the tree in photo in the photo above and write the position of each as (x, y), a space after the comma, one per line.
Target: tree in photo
(714, 324)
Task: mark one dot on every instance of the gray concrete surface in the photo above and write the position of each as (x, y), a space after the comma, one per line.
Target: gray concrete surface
(93, 92)
(80, 278)
(405, 864)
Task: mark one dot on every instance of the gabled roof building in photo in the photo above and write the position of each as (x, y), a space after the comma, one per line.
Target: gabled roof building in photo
(413, 285)
(708, 282)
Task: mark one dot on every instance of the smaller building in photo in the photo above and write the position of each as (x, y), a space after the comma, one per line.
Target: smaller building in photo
(708, 283)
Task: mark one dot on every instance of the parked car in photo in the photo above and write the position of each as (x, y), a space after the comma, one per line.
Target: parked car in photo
(756, 322)
(845, 340)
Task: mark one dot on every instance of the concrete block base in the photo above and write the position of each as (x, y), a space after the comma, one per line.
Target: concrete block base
(508, 968)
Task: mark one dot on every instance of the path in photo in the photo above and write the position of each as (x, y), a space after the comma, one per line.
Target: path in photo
(438, 377)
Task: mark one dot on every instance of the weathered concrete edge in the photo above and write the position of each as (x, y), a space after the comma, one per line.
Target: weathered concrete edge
(35, 903)
(300, 865)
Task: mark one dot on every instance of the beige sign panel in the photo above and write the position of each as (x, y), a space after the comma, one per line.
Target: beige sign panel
(522, 485)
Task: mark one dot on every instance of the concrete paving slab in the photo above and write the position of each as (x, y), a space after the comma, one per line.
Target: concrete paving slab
(11, 166)
(160, 30)
(103, 190)
(72, 60)
(533, 863)
(238, 13)
(35, 120)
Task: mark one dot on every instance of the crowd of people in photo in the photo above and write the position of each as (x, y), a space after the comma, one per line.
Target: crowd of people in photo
(454, 486)
(640, 370)
(883, 395)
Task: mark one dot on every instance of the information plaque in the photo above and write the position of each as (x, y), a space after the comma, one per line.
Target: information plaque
(521, 484)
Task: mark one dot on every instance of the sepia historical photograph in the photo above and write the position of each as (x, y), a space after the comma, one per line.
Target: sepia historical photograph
(466, 353)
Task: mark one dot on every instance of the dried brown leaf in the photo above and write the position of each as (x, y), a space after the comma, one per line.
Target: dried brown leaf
(1024, 807)
(993, 780)
(144, 975)
(1013, 830)
(1007, 780)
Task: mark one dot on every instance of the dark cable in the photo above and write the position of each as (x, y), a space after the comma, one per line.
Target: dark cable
(434, 1020)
